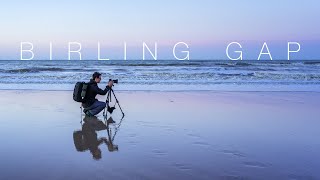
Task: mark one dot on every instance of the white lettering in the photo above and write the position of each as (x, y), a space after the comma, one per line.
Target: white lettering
(267, 53)
(293, 51)
(74, 51)
(154, 55)
(99, 51)
(187, 52)
(26, 50)
(240, 52)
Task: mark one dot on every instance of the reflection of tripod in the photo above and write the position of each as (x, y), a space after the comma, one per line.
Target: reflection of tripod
(108, 100)
(112, 147)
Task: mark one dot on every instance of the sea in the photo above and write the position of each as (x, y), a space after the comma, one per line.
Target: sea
(163, 75)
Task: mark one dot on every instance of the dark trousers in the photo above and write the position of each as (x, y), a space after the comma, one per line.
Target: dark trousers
(96, 107)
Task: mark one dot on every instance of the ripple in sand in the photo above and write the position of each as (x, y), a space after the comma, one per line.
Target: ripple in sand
(255, 164)
(133, 143)
(300, 177)
(132, 135)
(233, 177)
(170, 130)
(182, 167)
(200, 143)
(158, 152)
(194, 135)
(234, 153)
(147, 124)
(167, 128)
(60, 110)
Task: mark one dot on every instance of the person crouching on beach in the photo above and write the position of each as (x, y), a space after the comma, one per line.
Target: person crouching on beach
(91, 105)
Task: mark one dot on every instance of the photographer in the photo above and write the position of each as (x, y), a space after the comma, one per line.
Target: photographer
(91, 105)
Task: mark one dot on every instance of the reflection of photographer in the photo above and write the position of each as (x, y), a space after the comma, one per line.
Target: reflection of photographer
(90, 104)
(87, 138)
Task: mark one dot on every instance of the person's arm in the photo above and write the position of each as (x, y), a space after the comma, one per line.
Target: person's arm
(104, 92)
(100, 91)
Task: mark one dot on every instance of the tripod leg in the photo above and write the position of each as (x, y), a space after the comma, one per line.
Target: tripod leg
(81, 114)
(117, 103)
(104, 112)
(107, 103)
(105, 118)
(121, 109)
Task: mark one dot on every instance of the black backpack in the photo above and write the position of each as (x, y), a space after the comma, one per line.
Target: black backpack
(80, 91)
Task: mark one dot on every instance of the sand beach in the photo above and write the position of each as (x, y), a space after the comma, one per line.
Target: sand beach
(164, 135)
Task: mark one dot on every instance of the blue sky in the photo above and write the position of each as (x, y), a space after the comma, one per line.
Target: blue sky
(207, 26)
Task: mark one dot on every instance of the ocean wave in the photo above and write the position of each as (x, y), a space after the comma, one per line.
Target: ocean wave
(262, 69)
(161, 72)
(243, 64)
(235, 74)
(233, 64)
(312, 63)
(158, 77)
(45, 69)
(159, 64)
(33, 70)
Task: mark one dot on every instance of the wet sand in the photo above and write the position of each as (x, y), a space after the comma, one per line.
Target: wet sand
(164, 135)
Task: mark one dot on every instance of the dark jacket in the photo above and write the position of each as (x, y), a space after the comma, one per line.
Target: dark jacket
(92, 92)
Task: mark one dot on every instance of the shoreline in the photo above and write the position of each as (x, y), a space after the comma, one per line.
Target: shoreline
(214, 91)
(172, 88)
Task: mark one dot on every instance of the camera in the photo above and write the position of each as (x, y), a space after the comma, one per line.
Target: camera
(114, 81)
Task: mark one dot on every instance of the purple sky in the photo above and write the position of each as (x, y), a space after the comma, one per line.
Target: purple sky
(207, 26)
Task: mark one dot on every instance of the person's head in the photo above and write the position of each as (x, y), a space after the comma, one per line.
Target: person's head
(96, 77)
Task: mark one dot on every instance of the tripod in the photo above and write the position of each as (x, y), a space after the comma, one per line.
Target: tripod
(109, 100)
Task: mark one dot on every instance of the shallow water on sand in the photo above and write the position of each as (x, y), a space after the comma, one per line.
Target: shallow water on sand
(164, 135)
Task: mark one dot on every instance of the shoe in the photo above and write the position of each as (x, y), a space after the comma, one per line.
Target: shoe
(110, 109)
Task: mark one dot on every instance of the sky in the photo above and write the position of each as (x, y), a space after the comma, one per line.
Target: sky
(207, 26)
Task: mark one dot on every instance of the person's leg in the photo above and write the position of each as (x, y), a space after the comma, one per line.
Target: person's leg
(96, 107)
